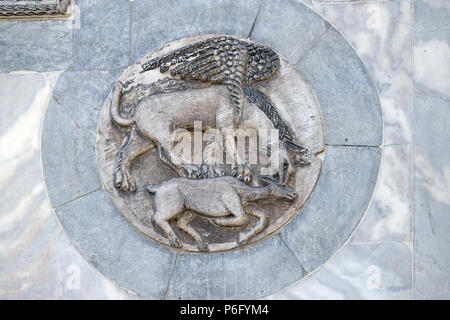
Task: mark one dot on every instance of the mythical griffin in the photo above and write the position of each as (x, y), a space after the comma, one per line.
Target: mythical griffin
(223, 61)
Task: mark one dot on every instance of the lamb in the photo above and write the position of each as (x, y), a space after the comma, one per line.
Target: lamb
(224, 200)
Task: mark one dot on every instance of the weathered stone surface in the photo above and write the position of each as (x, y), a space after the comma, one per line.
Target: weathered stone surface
(336, 205)
(346, 93)
(288, 26)
(179, 106)
(389, 61)
(431, 39)
(388, 58)
(253, 272)
(33, 8)
(35, 45)
(37, 260)
(101, 41)
(69, 160)
(68, 135)
(431, 195)
(27, 226)
(19, 93)
(429, 22)
(250, 264)
(390, 213)
(343, 1)
(358, 271)
(107, 241)
(176, 19)
(41, 289)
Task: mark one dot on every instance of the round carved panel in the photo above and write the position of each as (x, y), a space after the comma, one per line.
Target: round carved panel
(210, 143)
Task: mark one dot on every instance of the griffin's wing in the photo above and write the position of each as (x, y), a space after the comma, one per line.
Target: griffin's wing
(219, 60)
(214, 59)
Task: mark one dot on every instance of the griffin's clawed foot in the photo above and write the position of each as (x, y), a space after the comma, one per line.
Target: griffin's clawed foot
(124, 181)
(242, 172)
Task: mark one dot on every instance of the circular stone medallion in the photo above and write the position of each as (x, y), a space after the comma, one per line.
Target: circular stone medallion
(210, 143)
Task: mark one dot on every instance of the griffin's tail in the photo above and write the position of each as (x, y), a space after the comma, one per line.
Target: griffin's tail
(114, 107)
(266, 105)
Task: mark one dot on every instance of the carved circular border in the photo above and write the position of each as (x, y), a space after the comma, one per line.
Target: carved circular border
(353, 128)
(301, 111)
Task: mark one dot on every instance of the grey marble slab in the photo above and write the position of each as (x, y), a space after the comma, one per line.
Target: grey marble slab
(431, 194)
(36, 267)
(345, 91)
(336, 206)
(279, 26)
(389, 217)
(235, 275)
(430, 21)
(114, 247)
(358, 271)
(102, 35)
(35, 45)
(18, 92)
(37, 260)
(380, 32)
(68, 135)
(348, 1)
(155, 23)
(27, 227)
(69, 163)
(431, 151)
(81, 95)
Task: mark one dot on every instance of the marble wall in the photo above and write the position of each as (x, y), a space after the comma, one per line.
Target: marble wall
(401, 248)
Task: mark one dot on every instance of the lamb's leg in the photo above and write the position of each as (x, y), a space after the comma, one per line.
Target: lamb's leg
(164, 225)
(183, 222)
(263, 219)
(133, 146)
(235, 208)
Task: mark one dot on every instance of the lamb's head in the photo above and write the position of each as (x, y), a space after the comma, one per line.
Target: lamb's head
(279, 192)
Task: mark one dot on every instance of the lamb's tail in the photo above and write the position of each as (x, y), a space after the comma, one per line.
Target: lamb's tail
(152, 188)
(114, 107)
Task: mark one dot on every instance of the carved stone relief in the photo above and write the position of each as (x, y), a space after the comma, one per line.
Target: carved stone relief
(210, 143)
(20, 8)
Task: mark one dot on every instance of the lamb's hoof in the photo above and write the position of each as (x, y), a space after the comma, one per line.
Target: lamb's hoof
(124, 181)
(176, 242)
(242, 238)
(203, 246)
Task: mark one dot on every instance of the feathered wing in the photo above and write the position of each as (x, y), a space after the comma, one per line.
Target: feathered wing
(220, 60)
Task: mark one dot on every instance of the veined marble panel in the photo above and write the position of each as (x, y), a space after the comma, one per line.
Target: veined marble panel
(380, 32)
(431, 150)
(37, 259)
(358, 271)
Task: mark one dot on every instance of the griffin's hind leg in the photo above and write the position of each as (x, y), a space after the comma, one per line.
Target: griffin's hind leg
(133, 146)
